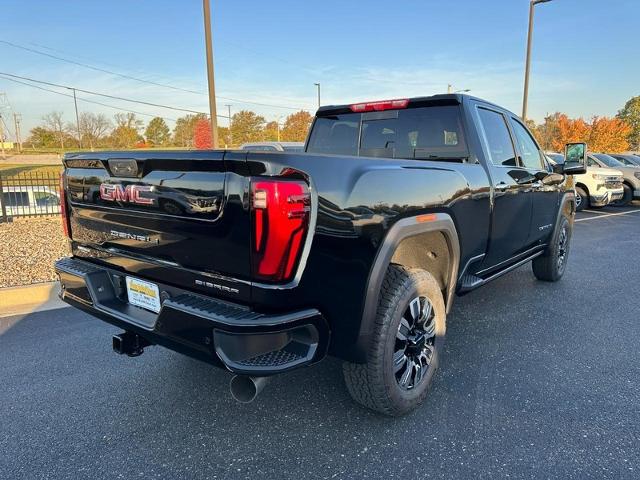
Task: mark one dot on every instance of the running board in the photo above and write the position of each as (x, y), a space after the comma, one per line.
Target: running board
(470, 282)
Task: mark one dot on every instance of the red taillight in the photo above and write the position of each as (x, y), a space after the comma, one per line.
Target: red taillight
(63, 209)
(379, 106)
(280, 210)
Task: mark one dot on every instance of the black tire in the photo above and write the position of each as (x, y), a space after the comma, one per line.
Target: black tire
(627, 197)
(550, 266)
(582, 199)
(380, 384)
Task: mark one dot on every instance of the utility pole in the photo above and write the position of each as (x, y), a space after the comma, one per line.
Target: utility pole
(75, 102)
(527, 68)
(16, 125)
(318, 85)
(230, 134)
(212, 89)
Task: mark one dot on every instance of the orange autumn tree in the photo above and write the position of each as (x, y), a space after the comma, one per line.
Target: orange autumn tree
(569, 130)
(608, 135)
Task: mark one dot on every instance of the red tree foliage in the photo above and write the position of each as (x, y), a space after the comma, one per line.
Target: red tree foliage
(202, 134)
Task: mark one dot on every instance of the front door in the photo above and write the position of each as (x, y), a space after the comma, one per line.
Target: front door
(512, 200)
(546, 195)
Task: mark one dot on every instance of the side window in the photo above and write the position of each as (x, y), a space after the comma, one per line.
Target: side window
(498, 138)
(531, 157)
(591, 162)
(16, 199)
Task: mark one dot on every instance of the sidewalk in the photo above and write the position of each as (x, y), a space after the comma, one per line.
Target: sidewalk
(30, 298)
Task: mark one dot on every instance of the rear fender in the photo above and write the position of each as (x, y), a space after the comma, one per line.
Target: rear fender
(401, 230)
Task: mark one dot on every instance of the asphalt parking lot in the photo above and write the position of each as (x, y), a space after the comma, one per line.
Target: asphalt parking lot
(537, 380)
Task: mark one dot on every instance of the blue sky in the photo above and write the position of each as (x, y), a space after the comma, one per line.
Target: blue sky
(585, 58)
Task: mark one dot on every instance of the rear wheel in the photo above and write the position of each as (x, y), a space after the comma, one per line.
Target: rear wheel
(582, 199)
(406, 345)
(550, 266)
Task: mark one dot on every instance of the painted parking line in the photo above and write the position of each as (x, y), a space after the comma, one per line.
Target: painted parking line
(604, 215)
(595, 211)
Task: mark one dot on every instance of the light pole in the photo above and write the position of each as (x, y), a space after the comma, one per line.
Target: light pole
(527, 68)
(206, 7)
(318, 85)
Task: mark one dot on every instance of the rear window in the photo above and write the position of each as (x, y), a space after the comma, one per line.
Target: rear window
(427, 132)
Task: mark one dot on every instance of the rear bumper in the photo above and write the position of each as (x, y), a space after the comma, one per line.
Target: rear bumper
(221, 333)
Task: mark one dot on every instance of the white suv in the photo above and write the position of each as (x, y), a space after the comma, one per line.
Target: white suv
(598, 187)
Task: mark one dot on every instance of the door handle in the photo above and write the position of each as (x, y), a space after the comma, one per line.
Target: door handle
(501, 186)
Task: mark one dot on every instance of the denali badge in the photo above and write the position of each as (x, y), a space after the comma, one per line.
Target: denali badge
(131, 236)
(130, 193)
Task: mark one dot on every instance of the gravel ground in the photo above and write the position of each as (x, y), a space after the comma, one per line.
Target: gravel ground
(28, 248)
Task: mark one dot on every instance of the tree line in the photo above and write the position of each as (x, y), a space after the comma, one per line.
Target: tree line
(126, 130)
(602, 134)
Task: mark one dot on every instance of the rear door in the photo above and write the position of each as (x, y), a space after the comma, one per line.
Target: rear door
(512, 199)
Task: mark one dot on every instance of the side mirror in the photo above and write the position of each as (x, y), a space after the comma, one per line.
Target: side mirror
(575, 159)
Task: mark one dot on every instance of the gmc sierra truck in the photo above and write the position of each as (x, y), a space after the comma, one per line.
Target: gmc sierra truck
(264, 262)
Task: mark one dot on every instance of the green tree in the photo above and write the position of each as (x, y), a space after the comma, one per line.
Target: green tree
(157, 132)
(296, 127)
(183, 132)
(126, 134)
(41, 137)
(630, 114)
(246, 126)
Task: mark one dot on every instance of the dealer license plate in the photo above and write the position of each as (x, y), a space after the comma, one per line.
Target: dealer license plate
(143, 294)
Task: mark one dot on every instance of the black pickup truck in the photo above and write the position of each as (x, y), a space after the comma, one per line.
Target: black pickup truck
(263, 262)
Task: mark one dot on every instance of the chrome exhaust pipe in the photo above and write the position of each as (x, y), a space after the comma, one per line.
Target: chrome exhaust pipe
(245, 389)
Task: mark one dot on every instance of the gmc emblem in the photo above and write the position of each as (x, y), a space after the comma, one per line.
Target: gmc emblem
(130, 193)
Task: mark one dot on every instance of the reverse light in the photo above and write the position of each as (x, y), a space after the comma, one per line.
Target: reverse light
(280, 216)
(63, 208)
(380, 105)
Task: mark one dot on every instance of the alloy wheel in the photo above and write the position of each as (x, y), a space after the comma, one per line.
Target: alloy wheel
(563, 243)
(415, 343)
(578, 199)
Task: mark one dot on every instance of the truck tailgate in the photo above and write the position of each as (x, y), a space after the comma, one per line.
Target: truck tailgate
(162, 209)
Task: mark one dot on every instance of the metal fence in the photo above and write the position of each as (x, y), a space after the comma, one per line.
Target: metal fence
(30, 194)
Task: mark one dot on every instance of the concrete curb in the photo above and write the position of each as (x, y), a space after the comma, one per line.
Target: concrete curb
(29, 298)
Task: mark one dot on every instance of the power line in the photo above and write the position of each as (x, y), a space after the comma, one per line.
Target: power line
(142, 80)
(106, 95)
(98, 69)
(84, 99)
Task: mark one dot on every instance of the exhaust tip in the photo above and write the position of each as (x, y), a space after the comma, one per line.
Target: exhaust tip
(245, 389)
